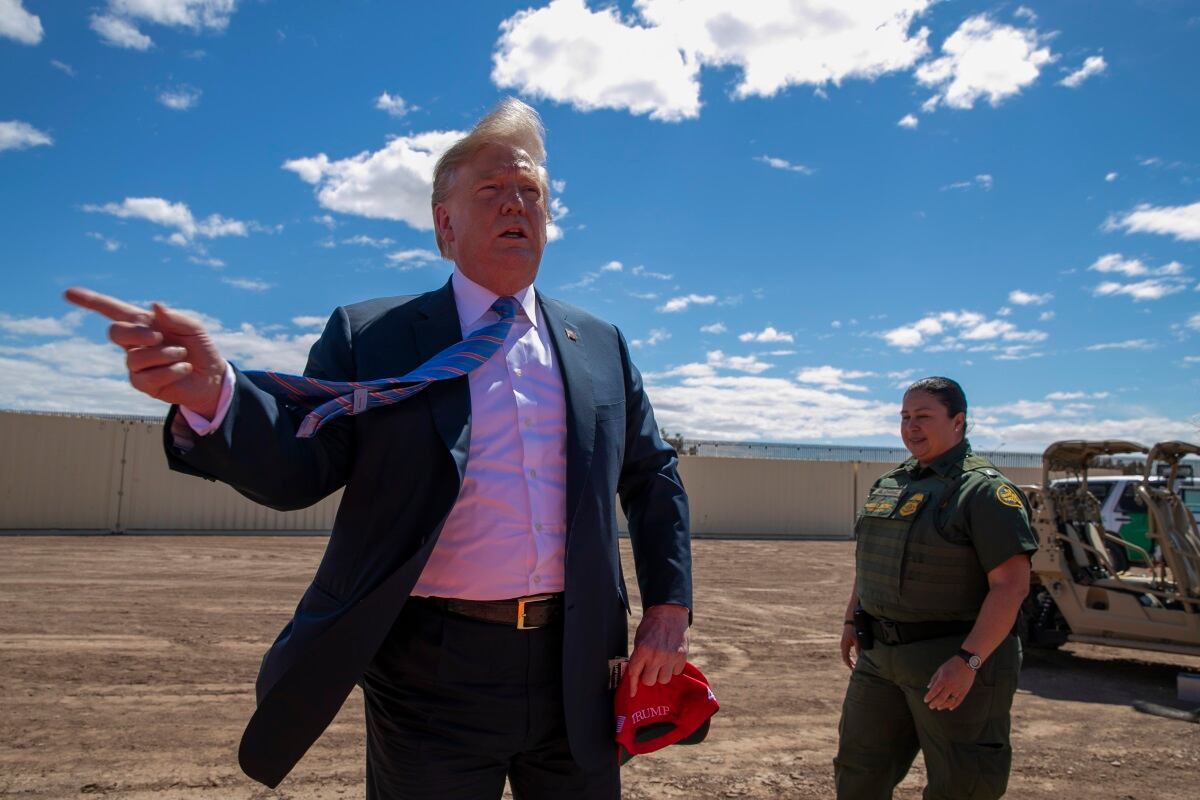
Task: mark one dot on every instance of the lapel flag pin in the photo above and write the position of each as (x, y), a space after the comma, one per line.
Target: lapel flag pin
(572, 335)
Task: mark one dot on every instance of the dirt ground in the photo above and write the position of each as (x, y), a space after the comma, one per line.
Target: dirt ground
(127, 667)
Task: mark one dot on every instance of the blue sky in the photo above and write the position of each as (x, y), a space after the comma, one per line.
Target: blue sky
(791, 209)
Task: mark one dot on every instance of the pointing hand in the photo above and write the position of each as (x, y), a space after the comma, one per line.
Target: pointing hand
(170, 355)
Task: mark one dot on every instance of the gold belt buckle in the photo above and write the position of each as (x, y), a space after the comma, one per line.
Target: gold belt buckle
(524, 601)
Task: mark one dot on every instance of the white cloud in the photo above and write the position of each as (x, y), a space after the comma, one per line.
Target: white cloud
(656, 336)
(174, 215)
(17, 135)
(702, 404)
(1111, 176)
(1182, 222)
(1127, 344)
(1058, 396)
(833, 378)
(1021, 298)
(118, 26)
(195, 14)
(1025, 12)
(714, 328)
(110, 245)
(363, 240)
(1045, 316)
(412, 259)
(1193, 322)
(767, 335)
(1132, 267)
(676, 304)
(983, 181)
(1038, 434)
(247, 284)
(642, 272)
(207, 261)
(983, 60)
(1156, 283)
(1149, 289)
(1025, 409)
(181, 98)
(309, 322)
(1093, 65)
(612, 266)
(118, 32)
(751, 364)
(66, 69)
(392, 183)
(393, 104)
(591, 59)
(784, 164)
(962, 330)
(327, 220)
(650, 63)
(18, 24)
(41, 326)
(909, 121)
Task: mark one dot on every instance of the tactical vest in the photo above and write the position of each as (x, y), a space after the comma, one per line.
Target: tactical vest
(907, 570)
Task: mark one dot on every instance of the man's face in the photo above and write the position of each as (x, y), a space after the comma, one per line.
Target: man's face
(494, 218)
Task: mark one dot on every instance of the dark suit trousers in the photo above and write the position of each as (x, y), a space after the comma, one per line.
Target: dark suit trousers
(455, 705)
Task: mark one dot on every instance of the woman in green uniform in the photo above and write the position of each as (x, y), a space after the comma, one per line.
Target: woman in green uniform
(942, 565)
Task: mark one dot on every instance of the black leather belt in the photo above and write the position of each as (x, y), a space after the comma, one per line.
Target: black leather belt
(889, 632)
(523, 613)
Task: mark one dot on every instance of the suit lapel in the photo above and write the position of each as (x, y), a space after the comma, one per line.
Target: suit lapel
(581, 410)
(436, 328)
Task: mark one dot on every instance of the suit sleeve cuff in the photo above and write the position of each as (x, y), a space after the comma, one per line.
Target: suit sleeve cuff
(202, 426)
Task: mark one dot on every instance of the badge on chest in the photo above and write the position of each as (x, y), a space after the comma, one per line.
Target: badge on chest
(882, 501)
(912, 504)
(894, 503)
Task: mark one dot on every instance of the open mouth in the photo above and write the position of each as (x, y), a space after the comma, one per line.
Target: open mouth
(513, 233)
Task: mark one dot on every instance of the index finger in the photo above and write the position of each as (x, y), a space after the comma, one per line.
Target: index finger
(111, 307)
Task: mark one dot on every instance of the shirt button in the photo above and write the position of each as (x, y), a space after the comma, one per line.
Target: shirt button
(527, 422)
(537, 578)
(533, 473)
(517, 371)
(538, 526)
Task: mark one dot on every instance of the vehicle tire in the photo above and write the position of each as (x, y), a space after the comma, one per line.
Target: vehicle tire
(1040, 625)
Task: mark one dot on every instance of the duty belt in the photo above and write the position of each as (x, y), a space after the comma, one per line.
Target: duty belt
(523, 613)
(888, 632)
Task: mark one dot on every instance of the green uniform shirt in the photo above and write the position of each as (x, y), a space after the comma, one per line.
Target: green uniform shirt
(928, 536)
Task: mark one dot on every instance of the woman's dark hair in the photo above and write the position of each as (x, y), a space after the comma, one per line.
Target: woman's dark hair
(947, 392)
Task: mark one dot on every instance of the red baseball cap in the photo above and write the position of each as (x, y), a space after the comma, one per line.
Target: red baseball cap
(677, 712)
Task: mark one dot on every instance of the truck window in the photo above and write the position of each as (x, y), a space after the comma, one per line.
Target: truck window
(1191, 499)
(1100, 489)
(1129, 504)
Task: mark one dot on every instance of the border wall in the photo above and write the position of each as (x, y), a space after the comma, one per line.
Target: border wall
(94, 474)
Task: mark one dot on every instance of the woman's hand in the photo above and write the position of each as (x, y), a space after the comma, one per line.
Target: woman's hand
(849, 645)
(949, 685)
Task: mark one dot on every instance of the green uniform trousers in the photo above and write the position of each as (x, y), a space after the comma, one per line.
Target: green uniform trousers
(884, 723)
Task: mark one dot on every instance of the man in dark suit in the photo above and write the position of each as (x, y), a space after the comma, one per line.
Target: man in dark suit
(472, 584)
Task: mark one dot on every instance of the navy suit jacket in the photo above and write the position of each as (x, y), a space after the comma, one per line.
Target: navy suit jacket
(402, 466)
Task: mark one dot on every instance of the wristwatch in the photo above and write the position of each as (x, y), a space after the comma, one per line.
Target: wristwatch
(973, 661)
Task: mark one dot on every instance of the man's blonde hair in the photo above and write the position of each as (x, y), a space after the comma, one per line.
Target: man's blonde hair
(511, 122)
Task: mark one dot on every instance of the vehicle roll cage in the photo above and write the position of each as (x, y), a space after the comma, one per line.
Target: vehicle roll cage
(1079, 530)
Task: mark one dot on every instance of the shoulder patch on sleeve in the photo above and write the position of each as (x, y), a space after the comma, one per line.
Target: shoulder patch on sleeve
(1008, 496)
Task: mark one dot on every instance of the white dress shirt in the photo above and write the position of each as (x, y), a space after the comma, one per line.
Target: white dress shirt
(506, 534)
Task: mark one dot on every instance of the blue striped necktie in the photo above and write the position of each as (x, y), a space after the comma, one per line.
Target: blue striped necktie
(331, 399)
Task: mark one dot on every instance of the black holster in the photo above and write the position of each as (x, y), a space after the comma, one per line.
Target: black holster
(862, 629)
